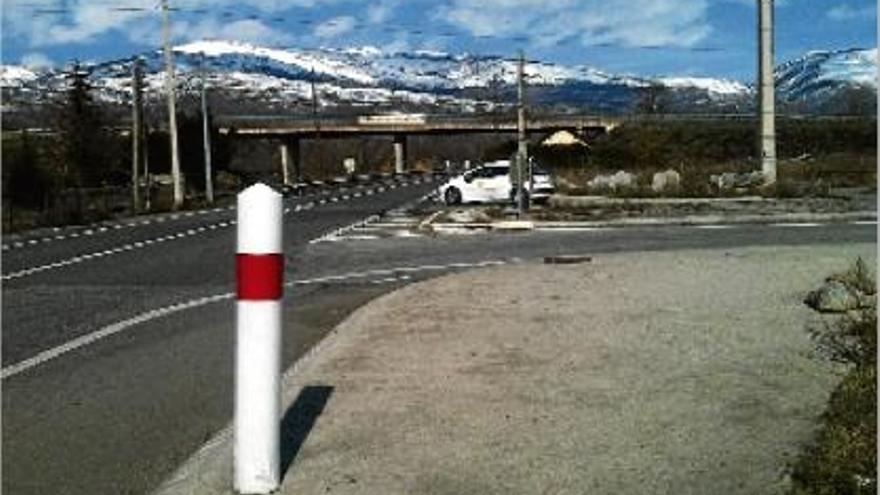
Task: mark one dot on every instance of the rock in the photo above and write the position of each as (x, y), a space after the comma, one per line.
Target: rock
(833, 297)
(730, 180)
(617, 181)
(669, 180)
(867, 301)
(472, 215)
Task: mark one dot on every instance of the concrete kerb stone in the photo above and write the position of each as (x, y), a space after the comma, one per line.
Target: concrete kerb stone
(694, 220)
(589, 201)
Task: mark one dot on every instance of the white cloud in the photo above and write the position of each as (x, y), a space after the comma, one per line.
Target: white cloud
(381, 11)
(247, 30)
(36, 60)
(624, 22)
(846, 12)
(334, 27)
(82, 21)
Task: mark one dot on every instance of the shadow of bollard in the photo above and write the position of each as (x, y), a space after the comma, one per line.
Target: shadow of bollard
(299, 420)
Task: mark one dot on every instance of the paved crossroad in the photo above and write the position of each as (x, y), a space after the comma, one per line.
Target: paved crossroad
(118, 366)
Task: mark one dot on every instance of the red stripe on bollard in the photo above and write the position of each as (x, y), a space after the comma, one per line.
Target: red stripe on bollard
(259, 277)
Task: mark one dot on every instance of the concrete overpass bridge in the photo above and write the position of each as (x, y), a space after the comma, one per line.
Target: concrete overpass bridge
(288, 130)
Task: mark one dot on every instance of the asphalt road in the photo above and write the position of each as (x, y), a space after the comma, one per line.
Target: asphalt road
(119, 414)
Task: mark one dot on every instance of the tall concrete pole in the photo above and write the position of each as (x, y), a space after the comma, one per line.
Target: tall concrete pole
(172, 111)
(206, 141)
(522, 146)
(766, 91)
(136, 134)
(285, 163)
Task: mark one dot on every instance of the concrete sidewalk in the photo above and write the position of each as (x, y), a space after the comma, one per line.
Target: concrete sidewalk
(677, 372)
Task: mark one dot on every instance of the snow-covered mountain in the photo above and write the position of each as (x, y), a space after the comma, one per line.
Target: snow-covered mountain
(824, 73)
(369, 76)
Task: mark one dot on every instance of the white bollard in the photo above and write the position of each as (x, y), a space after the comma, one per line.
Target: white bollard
(259, 267)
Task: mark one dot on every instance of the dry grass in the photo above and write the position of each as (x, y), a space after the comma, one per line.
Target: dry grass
(843, 459)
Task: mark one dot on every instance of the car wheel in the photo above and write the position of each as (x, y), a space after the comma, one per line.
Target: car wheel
(452, 196)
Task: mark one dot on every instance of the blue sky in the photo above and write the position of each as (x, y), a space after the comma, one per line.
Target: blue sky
(713, 38)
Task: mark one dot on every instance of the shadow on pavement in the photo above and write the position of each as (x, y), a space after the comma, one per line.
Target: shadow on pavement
(299, 420)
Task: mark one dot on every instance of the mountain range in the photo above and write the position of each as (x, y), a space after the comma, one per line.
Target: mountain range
(373, 78)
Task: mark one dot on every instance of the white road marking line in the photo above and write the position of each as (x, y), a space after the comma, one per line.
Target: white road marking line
(804, 224)
(712, 227)
(391, 280)
(398, 273)
(104, 332)
(339, 238)
(865, 222)
(88, 256)
(573, 229)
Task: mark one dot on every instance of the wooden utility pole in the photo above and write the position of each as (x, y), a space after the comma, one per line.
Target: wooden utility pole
(136, 133)
(147, 179)
(172, 111)
(522, 146)
(206, 132)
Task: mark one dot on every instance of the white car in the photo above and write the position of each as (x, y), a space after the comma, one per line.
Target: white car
(490, 183)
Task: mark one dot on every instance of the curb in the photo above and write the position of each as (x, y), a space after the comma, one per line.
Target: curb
(588, 201)
(870, 216)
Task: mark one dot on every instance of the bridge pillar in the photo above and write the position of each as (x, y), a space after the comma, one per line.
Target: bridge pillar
(289, 150)
(399, 153)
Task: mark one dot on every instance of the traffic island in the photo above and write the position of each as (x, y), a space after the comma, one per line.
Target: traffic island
(685, 372)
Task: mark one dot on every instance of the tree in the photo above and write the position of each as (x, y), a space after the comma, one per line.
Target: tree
(85, 151)
(653, 99)
(855, 100)
(25, 183)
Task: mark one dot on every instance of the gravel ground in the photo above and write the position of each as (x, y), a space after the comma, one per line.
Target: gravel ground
(604, 209)
(683, 372)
